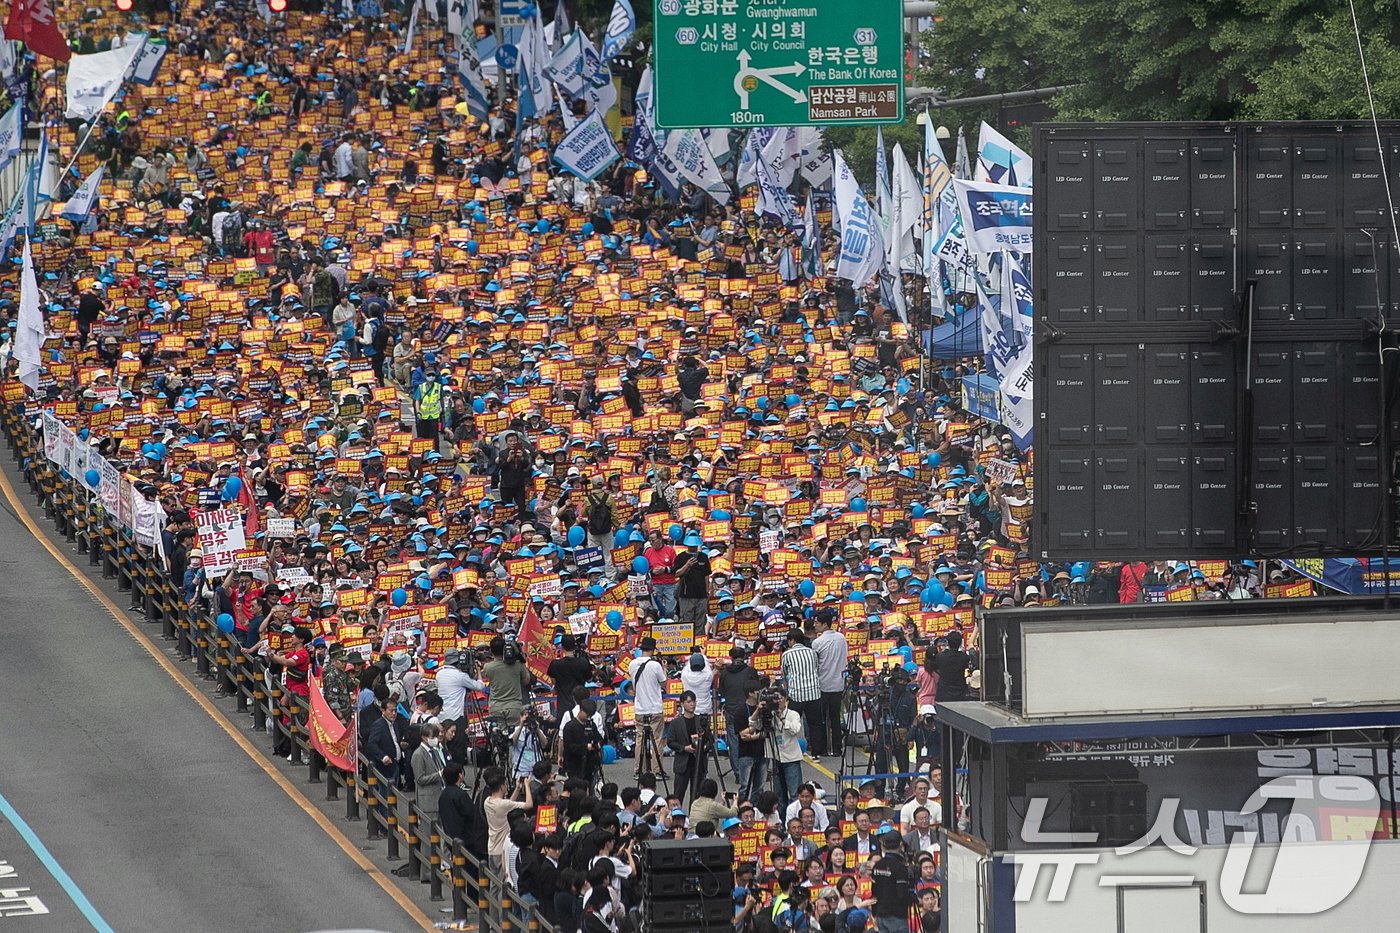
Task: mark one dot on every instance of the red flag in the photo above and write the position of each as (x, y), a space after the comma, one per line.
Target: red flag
(250, 510)
(327, 734)
(537, 644)
(32, 22)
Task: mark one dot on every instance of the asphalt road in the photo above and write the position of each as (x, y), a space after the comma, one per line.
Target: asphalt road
(152, 817)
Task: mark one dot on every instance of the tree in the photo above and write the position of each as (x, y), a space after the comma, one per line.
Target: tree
(1186, 60)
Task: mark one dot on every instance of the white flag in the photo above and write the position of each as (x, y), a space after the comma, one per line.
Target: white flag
(690, 157)
(995, 217)
(773, 198)
(781, 153)
(474, 86)
(749, 156)
(907, 224)
(412, 28)
(11, 132)
(811, 158)
(861, 249)
(29, 336)
(93, 80)
(1001, 161)
(84, 199)
(566, 67)
(588, 148)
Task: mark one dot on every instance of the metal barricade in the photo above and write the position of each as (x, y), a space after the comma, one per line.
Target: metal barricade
(478, 893)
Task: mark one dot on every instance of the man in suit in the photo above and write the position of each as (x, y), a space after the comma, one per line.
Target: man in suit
(923, 835)
(860, 845)
(383, 751)
(459, 814)
(685, 737)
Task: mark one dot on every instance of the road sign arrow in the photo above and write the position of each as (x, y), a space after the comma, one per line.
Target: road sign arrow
(766, 75)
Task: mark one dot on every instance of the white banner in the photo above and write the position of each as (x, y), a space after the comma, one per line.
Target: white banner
(85, 198)
(690, 157)
(861, 250)
(220, 535)
(11, 132)
(588, 149)
(93, 80)
(995, 217)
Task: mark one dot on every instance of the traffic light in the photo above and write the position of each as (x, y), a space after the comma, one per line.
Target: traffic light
(124, 5)
(276, 6)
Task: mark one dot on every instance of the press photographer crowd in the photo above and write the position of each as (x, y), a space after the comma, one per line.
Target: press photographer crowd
(535, 782)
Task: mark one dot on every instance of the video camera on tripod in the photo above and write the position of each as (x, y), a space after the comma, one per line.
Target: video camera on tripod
(765, 717)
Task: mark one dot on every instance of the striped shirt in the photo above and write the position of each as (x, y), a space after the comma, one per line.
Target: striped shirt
(801, 675)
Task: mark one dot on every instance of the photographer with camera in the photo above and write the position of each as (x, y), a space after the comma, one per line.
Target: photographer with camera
(787, 735)
(454, 680)
(892, 741)
(582, 743)
(752, 721)
(649, 685)
(571, 669)
(507, 679)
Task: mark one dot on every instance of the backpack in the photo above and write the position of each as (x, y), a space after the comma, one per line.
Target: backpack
(572, 854)
(599, 515)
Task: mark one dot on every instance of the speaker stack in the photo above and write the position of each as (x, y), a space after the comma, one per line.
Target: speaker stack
(687, 885)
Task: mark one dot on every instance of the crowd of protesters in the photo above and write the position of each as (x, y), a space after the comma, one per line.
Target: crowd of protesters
(573, 468)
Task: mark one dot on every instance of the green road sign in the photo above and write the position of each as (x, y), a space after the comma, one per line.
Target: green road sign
(777, 62)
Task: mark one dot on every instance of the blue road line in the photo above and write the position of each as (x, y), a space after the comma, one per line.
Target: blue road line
(42, 852)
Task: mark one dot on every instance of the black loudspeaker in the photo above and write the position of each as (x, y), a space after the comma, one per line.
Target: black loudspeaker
(687, 885)
(1116, 810)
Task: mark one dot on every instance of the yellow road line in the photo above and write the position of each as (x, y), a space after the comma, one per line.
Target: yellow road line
(830, 776)
(291, 790)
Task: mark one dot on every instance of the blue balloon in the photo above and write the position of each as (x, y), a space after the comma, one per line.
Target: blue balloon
(857, 504)
(472, 247)
(936, 591)
(901, 386)
(621, 538)
(595, 591)
(479, 405)
(719, 515)
(857, 596)
(807, 588)
(934, 458)
(613, 619)
(587, 228)
(398, 597)
(92, 477)
(576, 536)
(609, 754)
(676, 532)
(224, 622)
(640, 565)
(761, 402)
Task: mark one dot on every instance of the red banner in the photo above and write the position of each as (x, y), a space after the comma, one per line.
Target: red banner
(537, 643)
(326, 733)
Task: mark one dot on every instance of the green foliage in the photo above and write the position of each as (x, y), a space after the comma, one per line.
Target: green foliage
(857, 145)
(1181, 60)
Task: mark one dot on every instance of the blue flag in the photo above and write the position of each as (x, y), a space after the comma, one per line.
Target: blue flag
(621, 25)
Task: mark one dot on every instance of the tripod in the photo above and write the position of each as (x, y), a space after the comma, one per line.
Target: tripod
(648, 752)
(862, 714)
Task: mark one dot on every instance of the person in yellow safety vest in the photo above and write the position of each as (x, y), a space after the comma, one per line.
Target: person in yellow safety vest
(427, 406)
(262, 105)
